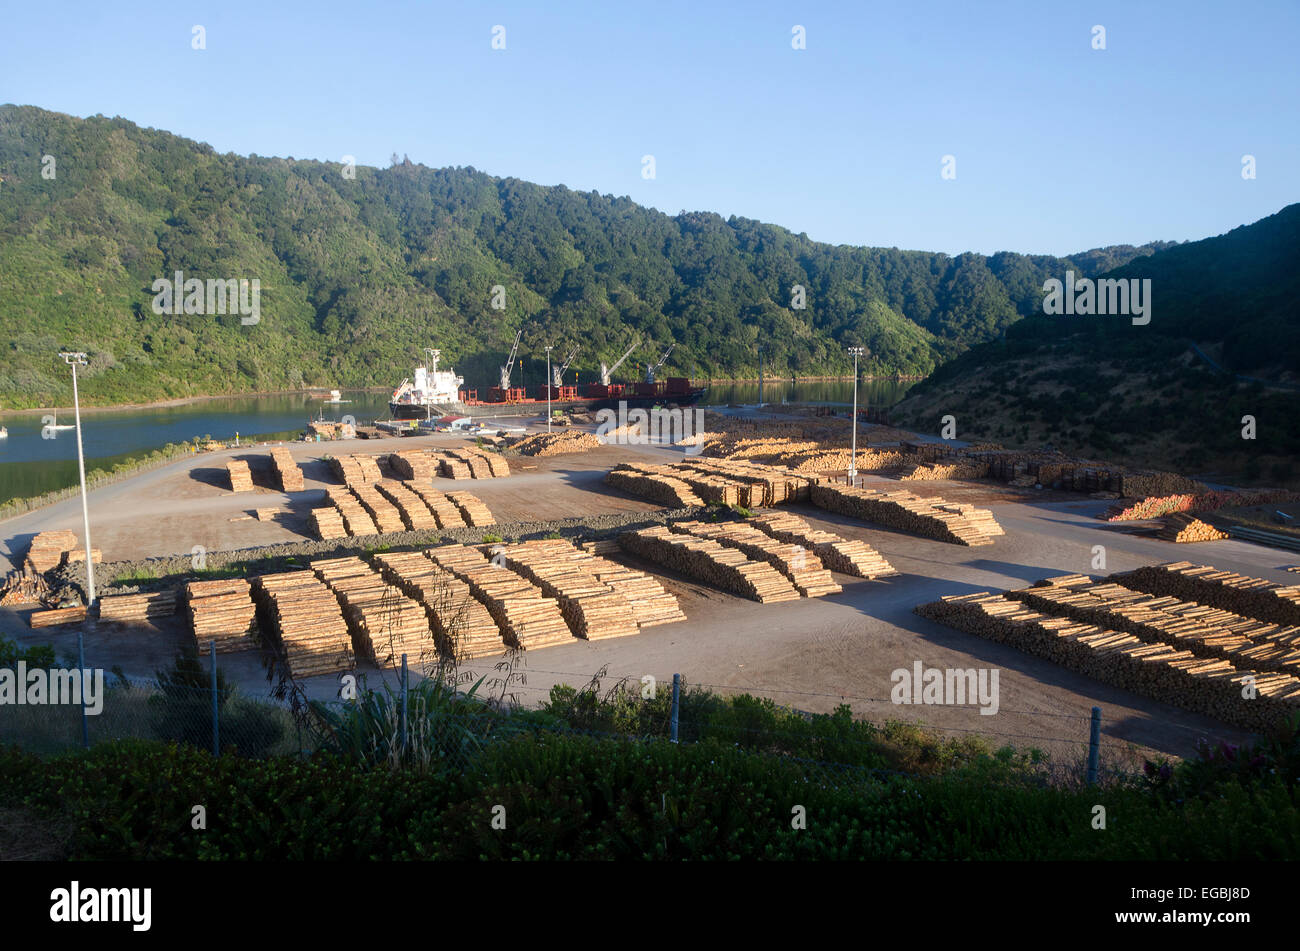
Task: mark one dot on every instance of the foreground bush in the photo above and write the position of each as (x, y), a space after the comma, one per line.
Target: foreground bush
(566, 796)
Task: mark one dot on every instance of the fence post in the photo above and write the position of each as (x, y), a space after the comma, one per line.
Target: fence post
(403, 705)
(1094, 746)
(677, 693)
(81, 662)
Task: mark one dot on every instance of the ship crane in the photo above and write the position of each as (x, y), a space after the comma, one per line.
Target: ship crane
(606, 371)
(651, 370)
(557, 373)
(510, 362)
(434, 356)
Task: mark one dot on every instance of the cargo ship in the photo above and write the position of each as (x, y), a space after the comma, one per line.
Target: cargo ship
(434, 393)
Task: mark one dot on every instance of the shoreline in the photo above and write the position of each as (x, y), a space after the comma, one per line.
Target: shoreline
(185, 401)
(188, 400)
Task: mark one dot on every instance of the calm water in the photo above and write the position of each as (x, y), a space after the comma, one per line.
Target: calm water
(34, 459)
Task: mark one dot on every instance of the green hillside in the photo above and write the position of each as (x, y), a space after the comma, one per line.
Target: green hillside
(1223, 343)
(357, 275)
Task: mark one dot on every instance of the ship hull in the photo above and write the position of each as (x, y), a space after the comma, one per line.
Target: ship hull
(535, 407)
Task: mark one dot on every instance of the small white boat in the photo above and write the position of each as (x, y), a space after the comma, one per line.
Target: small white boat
(335, 397)
(4, 432)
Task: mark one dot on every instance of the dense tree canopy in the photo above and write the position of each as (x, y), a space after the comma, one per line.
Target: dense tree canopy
(357, 274)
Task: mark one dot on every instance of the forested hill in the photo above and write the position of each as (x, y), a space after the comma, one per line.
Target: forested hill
(1223, 343)
(357, 274)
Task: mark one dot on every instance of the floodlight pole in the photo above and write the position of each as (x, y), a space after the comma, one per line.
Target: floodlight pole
(548, 389)
(72, 360)
(853, 457)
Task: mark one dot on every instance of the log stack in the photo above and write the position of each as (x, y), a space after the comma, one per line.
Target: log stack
(650, 603)
(1240, 594)
(556, 443)
(774, 485)
(444, 509)
(384, 622)
(849, 557)
(383, 512)
(647, 483)
(931, 518)
(223, 611)
(1203, 632)
(1211, 687)
(413, 464)
(48, 548)
(137, 608)
(592, 609)
(27, 586)
(301, 620)
(449, 467)
(797, 563)
(327, 522)
(57, 616)
(1184, 528)
(472, 509)
(78, 555)
(462, 627)
(287, 472)
(356, 519)
(241, 477)
(416, 515)
(707, 561)
(527, 618)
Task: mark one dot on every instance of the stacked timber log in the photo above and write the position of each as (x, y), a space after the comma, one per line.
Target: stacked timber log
(355, 517)
(450, 467)
(593, 609)
(347, 470)
(78, 555)
(1211, 687)
(1204, 632)
(57, 616)
(286, 470)
(1183, 528)
(1253, 597)
(222, 611)
(137, 608)
(301, 619)
(840, 554)
(556, 443)
(384, 622)
(954, 469)
(801, 566)
(413, 464)
(241, 478)
(328, 523)
(416, 515)
(650, 483)
(443, 509)
(482, 465)
(266, 514)
(527, 618)
(27, 586)
(601, 546)
(775, 485)
(472, 509)
(384, 512)
(707, 561)
(932, 518)
(463, 629)
(48, 548)
(650, 603)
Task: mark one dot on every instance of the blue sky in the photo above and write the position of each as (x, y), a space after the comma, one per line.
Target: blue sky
(1058, 147)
